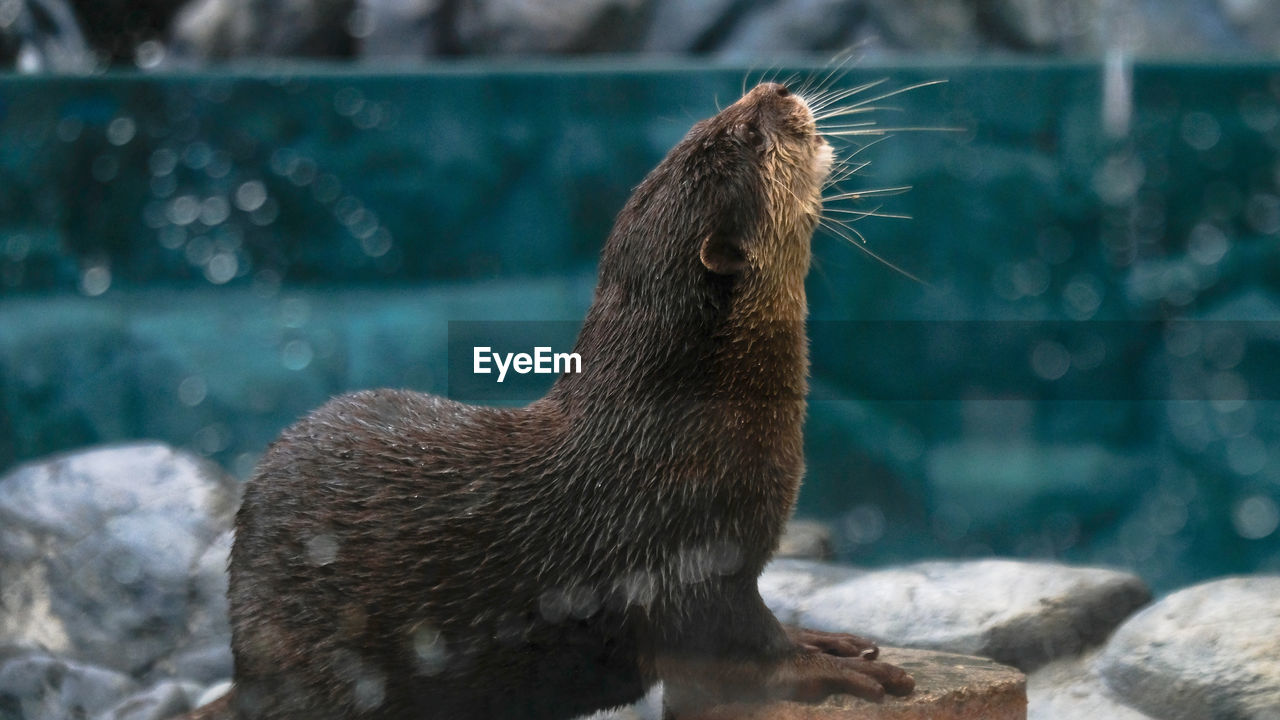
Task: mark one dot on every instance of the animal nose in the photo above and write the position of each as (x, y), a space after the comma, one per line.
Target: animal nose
(783, 90)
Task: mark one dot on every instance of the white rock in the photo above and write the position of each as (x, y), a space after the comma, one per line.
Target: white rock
(1208, 651)
(1020, 613)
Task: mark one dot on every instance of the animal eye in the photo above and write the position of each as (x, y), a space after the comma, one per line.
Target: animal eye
(749, 134)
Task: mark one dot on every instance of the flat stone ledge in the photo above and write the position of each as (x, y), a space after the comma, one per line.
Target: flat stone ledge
(948, 687)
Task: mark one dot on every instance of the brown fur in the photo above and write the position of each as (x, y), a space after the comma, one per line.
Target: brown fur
(401, 555)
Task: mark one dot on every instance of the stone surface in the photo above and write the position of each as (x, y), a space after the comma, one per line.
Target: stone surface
(1021, 613)
(159, 702)
(127, 31)
(520, 27)
(399, 31)
(792, 27)
(213, 692)
(1072, 689)
(37, 685)
(806, 539)
(42, 36)
(948, 687)
(787, 584)
(945, 25)
(212, 30)
(105, 554)
(678, 26)
(1208, 651)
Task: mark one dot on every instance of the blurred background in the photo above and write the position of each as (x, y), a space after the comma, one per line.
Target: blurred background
(215, 214)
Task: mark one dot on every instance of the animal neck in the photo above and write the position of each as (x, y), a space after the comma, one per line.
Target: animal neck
(716, 364)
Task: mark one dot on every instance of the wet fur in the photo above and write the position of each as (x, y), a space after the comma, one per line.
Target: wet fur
(401, 555)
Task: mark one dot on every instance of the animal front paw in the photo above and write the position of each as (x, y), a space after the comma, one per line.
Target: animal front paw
(812, 676)
(829, 643)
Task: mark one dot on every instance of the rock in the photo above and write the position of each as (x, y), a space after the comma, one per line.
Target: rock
(520, 27)
(205, 662)
(948, 687)
(399, 30)
(213, 692)
(208, 30)
(118, 29)
(105, 554)
(1257, 21)
(806, 539)
(1072, 689)
(1208, 651)
(42, 35)
(793, 26)
(1040, 612)
(162, 701)
(677, 26)
(786, 583)
(36, 685)
(938, 25)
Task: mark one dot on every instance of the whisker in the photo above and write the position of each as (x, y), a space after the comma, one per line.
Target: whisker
(873, 192)
(839, 230)
(898, 91)
(837, 64)
(859, 214)
(856, 89)
(835, 226)
(846, 126)
(827, 99)
(888, 130)
(844, 111)
(845, 173)
(860, 148)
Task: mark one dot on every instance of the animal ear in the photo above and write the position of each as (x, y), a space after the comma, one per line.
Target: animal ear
(722, 254)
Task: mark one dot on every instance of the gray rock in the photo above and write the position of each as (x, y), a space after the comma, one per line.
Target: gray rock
(398, 30)
(1259, 22)
(806, 539)
(793, 27)
(1208, 651)
(1020, 613)
(35, 685)
(786, 584)
(205, 662)
(505, 27)
(1072, 689)
(935, 25)
(206, 656)
(42, 35)
(213, 692)
(679, 26)
(207, 30)
(105, 554)
(164, 700)
(127, 31)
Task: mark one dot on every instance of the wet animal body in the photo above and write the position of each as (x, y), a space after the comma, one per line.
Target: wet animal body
(401, 555)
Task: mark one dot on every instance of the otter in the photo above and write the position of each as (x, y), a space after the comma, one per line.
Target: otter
(402, 555)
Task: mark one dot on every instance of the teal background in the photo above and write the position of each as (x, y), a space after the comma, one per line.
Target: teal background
(203, 258)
